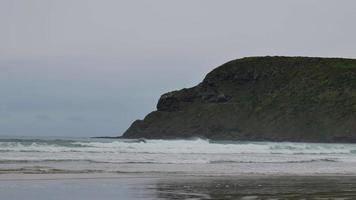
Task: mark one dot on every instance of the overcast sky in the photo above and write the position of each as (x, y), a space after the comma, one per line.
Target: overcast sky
(91, 67)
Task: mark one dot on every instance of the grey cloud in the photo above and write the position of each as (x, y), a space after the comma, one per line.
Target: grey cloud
(110, 60)
(76, 119)
(5, 115)
(43, 117)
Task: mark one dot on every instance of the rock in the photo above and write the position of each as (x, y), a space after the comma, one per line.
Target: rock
(221, 98)
(168, 102)
(261, 98)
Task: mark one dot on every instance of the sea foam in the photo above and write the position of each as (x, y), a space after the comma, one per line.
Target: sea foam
(172, 151)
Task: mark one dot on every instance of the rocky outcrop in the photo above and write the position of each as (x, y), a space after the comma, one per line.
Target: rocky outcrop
(261, 98)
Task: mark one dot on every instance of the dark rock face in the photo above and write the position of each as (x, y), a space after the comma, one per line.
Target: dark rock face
(261, 98)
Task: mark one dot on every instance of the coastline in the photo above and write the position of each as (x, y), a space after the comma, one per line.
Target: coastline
(132, 186)
(129, 175)
(44, 169)
(198, 169)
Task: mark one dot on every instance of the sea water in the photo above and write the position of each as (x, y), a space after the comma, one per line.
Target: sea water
(196, 156)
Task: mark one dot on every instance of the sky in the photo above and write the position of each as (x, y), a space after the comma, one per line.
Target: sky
(83, 68)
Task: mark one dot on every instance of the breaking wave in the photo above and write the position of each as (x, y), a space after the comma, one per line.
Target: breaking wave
(170, 151)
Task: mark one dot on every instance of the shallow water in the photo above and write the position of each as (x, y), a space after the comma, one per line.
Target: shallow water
(72, 168)
(73, 155)
(179, 187)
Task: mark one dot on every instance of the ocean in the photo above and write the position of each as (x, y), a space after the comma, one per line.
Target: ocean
(196, 157)
(88, 169)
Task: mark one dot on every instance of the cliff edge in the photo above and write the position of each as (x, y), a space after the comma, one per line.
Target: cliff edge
(300, 99)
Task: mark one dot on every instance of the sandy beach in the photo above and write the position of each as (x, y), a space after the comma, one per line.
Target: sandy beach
(173, 186)
(85, 169)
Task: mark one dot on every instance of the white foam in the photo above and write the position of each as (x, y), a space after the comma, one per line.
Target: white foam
(175, 151)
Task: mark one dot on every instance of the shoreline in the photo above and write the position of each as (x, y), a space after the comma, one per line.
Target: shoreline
(196, 137)
(161, 186)
(144, 175)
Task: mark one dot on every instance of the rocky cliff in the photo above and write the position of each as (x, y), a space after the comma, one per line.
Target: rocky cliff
(261, 98)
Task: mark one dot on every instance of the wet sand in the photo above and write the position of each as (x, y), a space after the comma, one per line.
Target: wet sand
(129, 186)
(52, 169)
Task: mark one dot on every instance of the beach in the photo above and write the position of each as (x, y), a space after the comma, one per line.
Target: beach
(177, 100)
(84, 168)
(165, 186)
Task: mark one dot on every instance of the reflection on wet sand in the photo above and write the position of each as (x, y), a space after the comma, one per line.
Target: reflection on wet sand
(177, 186)
(259, 188)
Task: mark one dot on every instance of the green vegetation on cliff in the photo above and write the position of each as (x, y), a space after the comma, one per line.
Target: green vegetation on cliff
(261, 98)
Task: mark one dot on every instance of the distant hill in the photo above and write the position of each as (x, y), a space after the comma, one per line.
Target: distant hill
(261, 98)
